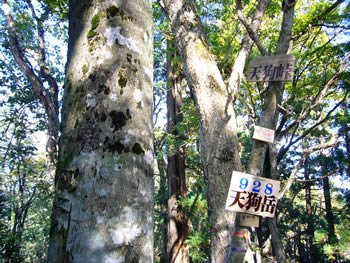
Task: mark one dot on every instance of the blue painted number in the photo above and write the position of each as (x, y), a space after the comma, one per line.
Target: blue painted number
(257, 185)
(243, 183)
(268, 189)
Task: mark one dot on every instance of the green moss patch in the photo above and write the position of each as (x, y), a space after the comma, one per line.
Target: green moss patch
(85, 69)
(91, 34)
(95, 21)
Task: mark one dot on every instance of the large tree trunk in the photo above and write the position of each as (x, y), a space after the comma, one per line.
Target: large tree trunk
(103, 208)
(177, 250)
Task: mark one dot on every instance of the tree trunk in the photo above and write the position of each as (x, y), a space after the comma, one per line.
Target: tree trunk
(219, 142)
(177, 250)
(162, 167)
(103, 207)
(329, 212)
(346, 128)
(260, 156)
(310, 230)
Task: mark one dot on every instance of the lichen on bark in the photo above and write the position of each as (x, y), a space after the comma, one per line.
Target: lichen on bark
(106, 144)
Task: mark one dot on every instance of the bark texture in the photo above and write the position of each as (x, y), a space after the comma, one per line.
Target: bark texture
(219, 142)
(262, 153)
(177, 250)
(103, 208)
(213, 99)
(329, 212)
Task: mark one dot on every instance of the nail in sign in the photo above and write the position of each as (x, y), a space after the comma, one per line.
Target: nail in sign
(264, 134)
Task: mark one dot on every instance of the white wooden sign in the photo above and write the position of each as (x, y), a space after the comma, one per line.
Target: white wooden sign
(263, 134)
(248, 220)
(252, 194)
(271, 68)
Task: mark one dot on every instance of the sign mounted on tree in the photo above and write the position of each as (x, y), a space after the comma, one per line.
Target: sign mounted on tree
(272, 68)
(252, 194)
(248, 220)
(263, 134)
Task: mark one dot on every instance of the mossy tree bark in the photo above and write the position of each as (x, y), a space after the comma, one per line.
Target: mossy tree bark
(103, 208)
(177, 250)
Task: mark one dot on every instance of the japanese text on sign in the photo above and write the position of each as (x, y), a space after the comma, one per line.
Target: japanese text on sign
(252, 194)
(273, 68)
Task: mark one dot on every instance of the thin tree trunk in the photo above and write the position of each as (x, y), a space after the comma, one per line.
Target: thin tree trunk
(329, 212)
(103, 207)
(346, 128)
(162, 167)
(177, 250)
(260, 156)
(300, 247)
(310, 230)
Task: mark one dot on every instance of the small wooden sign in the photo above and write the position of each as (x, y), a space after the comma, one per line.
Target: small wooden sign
(272, 68)
(252, 194)
(248, 220)
(264, 134)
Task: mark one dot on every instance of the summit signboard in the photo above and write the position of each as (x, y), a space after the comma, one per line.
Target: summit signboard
(252, 194)
(271, 68)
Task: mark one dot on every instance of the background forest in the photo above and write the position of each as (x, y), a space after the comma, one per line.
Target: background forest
(312, 135)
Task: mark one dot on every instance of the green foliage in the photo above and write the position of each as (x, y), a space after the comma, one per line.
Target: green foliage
(195, 206)
(198, 242)
(319, 53)
(26, 188)
(26, 192)
(59, 7)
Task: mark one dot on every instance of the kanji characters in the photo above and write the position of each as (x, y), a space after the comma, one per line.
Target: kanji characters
(271, 72)
(253, 201)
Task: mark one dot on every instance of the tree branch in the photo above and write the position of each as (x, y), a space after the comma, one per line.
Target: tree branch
(18, 54)
(246, 46)
(306, 153)
(250, 30)
(284, 150)
(314, 22)
(320, 95)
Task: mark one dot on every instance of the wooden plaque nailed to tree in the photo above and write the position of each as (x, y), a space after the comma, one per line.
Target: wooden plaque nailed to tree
(272, 68)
